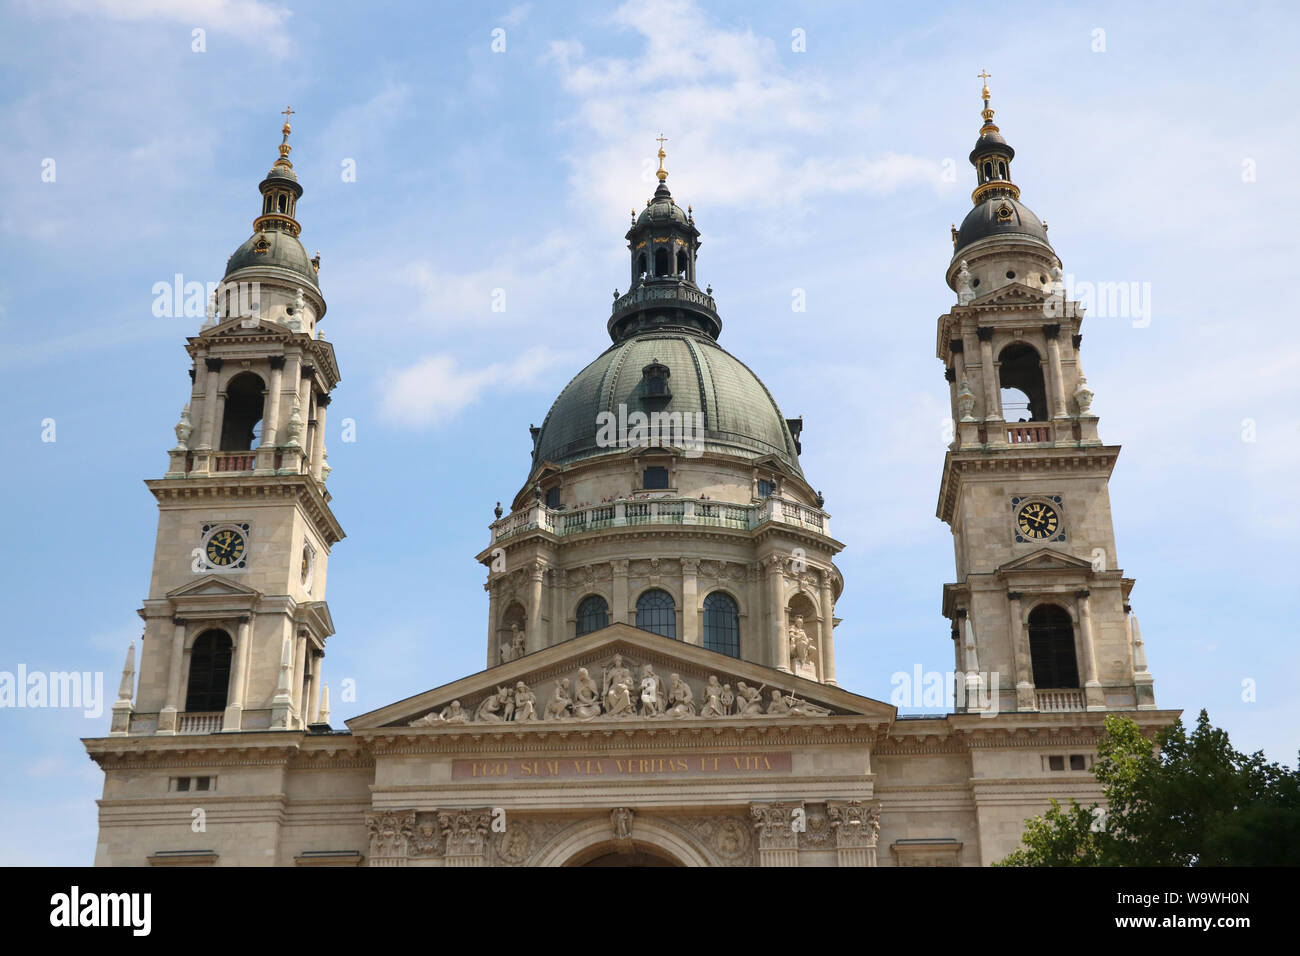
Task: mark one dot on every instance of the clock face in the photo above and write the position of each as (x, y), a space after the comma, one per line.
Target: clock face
(1037, 520)
(225, 548)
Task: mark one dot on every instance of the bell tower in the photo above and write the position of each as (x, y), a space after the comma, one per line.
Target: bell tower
(236, 620)
(1040, 600)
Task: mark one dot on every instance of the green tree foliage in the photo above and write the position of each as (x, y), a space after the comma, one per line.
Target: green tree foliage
(1180, 800)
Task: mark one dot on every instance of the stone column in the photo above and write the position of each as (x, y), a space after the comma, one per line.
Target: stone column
(776, 608)
(494, 610)
(391, 832)
(690, 601)
(559, 586)
(233, 719)
(1057, 378)
(318, 444)
(271, 418)
(857, 827)
(1091, 685)
(306, 376)
(618, 614)
(466, 834)
(313, 686)
(1025, 699)
(534, 640)
(299, 664)
(827, 641)
(211, 379)
(167, 716)
(778, 842)
(992, 395)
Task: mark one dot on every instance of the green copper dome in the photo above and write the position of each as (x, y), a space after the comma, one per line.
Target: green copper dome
(740, 416)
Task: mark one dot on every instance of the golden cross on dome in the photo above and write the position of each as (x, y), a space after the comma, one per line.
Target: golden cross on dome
(984, 75)
(661, 172)
(288, 111)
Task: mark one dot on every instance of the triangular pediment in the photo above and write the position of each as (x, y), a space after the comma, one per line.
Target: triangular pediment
(543, 670)
(1046, 559)
(213, 585)
(1016, 293)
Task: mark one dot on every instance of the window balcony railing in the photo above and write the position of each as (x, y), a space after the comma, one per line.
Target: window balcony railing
(1059, 701)
(199, 723)
(1029, 433)
(660, 511)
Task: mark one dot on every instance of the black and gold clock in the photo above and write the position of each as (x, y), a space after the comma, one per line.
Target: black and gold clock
(1037, 521)
(225, 548)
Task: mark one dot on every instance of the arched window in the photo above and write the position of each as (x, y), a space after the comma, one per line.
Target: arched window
(1002, 170)
(281, 202)
(661, 262)
(1024, 396)
(988, 171)
(682, 262)
(209, 681)
(593, 614)
(1051, 648)
(243, 412)
(721, 624)
(655, 612)
(641, 266)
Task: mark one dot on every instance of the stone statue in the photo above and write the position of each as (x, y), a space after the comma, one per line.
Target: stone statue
(505, 654)
(618, 703)
(452, 714)
(800, 643)
(325, 467)
(965, 402)
(507, 704)
(965, 288)
(621, 819)
(489, 712)
(560, 706)
(712, 706)
(801, 708)
(525, 703)
(680, 699)
(653, 696)
(728, 698)
(617, 674)
(779, 704)
(210, 313)
(749, 700)
(184, 428)
(586, 698)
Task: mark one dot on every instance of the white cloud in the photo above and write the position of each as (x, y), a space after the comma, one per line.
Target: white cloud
(516, 14)
(251, 21)
(740, 120)
(437, 388)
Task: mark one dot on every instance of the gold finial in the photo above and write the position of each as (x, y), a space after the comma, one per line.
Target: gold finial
(285, 148)
(984, 75)
(662, 173)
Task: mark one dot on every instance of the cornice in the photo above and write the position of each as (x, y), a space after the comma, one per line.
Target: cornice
(252, 488)
(1009, 460)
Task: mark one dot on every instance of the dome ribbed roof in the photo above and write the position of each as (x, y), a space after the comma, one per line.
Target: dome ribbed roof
(985, 220)
(740, 416)
(284, 252)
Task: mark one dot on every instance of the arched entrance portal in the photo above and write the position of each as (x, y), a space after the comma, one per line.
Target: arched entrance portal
(608, 855)
(592, 844)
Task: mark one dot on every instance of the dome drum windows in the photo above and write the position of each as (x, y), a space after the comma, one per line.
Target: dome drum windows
(592, 615)
(657, 612)
(722, 624)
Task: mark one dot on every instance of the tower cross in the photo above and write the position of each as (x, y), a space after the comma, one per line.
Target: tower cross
(662, 139)
(287, 111)
(984, 75)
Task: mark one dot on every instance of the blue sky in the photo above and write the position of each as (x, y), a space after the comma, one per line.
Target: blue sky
(820, 170)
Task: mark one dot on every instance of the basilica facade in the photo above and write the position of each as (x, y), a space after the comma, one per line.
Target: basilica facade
(659, 681)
